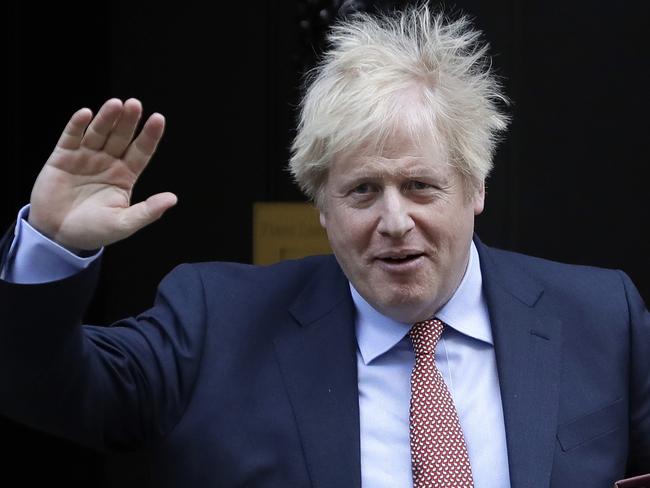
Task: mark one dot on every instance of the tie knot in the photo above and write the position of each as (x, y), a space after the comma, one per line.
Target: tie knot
(425, 336)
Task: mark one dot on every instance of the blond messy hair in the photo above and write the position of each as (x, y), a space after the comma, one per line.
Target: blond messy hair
(410, 70)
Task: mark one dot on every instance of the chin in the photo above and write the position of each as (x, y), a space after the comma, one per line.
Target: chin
(406, 306)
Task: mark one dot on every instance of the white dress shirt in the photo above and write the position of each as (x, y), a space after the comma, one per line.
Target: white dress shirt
(465, 357)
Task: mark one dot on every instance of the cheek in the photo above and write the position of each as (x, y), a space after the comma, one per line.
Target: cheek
(350, 231)
(448, 226)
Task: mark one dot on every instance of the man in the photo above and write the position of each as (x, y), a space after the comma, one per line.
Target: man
(321, 372)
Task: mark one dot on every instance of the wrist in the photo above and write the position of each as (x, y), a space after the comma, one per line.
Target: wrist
(33, 223)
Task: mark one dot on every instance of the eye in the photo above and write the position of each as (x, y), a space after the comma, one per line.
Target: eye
(415, 185)
(364, 189)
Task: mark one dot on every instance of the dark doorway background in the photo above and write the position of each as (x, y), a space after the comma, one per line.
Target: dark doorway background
(569, 182)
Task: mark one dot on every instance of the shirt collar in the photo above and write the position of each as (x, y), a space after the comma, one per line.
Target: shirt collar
(466, 312)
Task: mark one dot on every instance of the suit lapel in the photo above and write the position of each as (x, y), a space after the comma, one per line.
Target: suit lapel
(318, 363)
(528, 353)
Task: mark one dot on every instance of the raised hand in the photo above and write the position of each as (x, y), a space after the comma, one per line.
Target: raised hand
(82, 197)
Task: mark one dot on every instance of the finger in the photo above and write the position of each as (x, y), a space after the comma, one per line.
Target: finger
(120, 137)
(144, 213)
(102, 124)
(74, 129)
(142, 148)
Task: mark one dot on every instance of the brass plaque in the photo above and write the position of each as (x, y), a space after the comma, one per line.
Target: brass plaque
(286, 230)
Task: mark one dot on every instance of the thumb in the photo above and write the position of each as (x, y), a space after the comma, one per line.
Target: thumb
(144, 213)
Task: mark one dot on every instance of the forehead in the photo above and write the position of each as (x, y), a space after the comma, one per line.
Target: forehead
(398, 154)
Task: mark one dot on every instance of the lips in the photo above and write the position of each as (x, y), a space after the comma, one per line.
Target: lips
(399, 260)
(399, 255)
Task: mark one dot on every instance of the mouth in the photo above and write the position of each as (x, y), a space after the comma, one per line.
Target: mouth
(399, 261)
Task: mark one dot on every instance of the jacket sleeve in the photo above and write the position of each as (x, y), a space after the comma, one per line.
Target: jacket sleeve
(114, 387)
(639, 456)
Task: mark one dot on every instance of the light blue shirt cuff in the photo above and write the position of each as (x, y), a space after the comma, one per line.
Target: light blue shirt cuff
(33, 258)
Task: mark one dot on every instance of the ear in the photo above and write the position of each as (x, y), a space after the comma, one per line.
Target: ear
(479, 199)
(323, 219)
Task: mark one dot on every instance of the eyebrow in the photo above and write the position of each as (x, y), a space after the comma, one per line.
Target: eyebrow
(376, 169)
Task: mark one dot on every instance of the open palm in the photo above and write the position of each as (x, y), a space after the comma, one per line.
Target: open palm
(82, 197)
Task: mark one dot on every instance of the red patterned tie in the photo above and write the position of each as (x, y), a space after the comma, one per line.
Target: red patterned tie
(438, 453)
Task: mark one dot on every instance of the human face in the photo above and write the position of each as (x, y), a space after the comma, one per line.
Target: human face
(400, 224)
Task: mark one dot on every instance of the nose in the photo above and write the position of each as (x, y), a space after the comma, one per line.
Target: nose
(395, 220)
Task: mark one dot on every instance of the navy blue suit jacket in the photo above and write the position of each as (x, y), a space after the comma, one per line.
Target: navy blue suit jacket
(246, 376)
